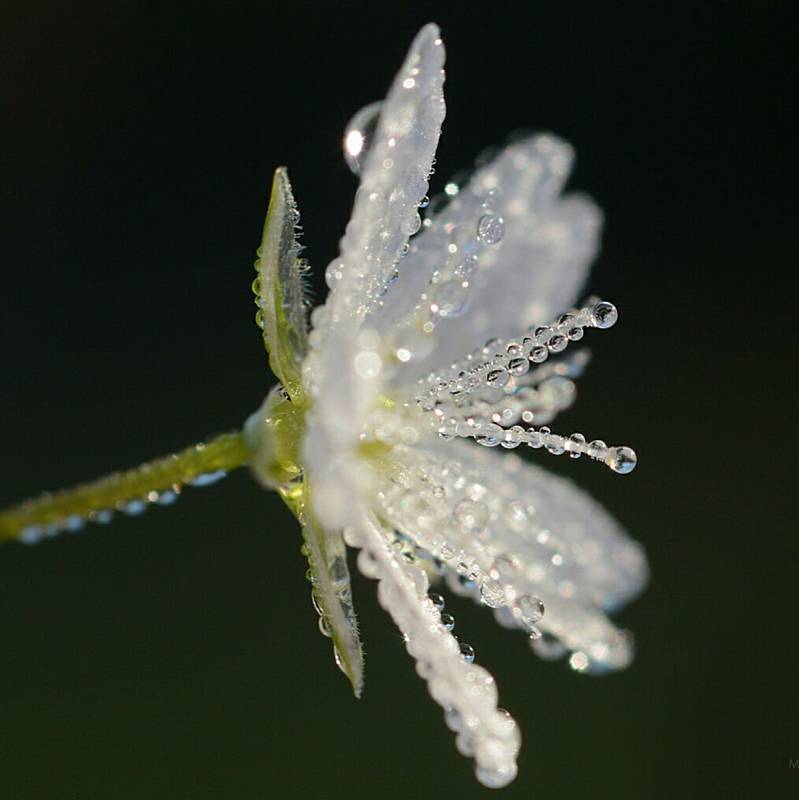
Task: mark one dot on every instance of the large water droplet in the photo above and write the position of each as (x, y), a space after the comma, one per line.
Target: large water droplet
(358, 136)
(490, 229)
(492, 593)
(623, 460)
(604, 315)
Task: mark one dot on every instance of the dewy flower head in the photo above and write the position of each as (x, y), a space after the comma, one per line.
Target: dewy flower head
(441, 342)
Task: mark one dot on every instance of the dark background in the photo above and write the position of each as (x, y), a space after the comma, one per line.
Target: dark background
(176, 655)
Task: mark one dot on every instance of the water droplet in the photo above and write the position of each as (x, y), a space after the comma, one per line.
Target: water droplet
(497, 378)
(528, 610)
(448, 621)
(208, 478)
(604, 315)
(623, 460)
(453, 719)
(339, 661)
(557, 343)
(74, 523)
(471, 515)
(598, 450)
(134, 507)
(31, 535)
(437, 600)
(358, 136)
(496, 778)
(411, 225)
(518, 366)
(538, 354)
(467, 651)
(324, 627)
(489, 434)
(492, 593)
(490, 229)
(575, 444)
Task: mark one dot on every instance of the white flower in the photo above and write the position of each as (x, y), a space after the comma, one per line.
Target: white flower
(396, 374)
(366, 437)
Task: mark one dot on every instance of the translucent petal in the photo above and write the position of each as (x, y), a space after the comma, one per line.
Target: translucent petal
(531, 274)
(534, 533)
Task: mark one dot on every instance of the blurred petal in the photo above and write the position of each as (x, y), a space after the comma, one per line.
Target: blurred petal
(507, 529)
(531, 273)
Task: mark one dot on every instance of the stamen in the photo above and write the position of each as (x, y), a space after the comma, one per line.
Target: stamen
(620, 459)
(499, 362)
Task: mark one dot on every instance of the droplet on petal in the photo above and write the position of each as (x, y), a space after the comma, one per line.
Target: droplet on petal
(358, 136)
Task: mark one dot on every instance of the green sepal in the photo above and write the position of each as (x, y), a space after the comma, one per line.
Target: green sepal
(330, 581)
(279, 286)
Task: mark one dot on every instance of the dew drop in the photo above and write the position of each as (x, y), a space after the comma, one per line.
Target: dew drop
(623, 460)
(492, 593)
(490, 229)
(448, 621)
(604, 315)
(437, 600)
(467, 651)
(358, 136)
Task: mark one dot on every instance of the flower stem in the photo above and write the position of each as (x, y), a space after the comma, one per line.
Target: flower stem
(169, 473)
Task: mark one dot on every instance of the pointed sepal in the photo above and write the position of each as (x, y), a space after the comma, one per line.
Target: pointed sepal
(278, 287)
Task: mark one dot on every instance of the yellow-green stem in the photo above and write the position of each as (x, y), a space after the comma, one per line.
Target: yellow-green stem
(225, 452)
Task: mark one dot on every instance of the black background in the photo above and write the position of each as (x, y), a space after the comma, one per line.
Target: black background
(176, 655)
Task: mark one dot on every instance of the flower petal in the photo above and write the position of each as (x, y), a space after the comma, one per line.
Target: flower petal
(344, 366)
(525, 271)
(393, 182)
(506, 529)
(467, 692)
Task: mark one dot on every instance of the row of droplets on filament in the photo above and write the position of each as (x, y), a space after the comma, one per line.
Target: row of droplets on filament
(33, 534)
(494, 370)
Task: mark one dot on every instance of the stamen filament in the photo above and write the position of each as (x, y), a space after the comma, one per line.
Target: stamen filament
(494, 365)
(620, 459)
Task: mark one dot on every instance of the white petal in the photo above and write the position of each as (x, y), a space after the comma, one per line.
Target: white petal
(539, 534)
(532, 274)
(466, 691)
(394, 179)
(345, 369)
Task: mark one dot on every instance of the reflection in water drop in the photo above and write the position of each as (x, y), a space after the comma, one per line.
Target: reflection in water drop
(358, 135)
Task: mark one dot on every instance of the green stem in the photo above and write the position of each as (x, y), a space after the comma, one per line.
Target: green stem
(225, 452)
